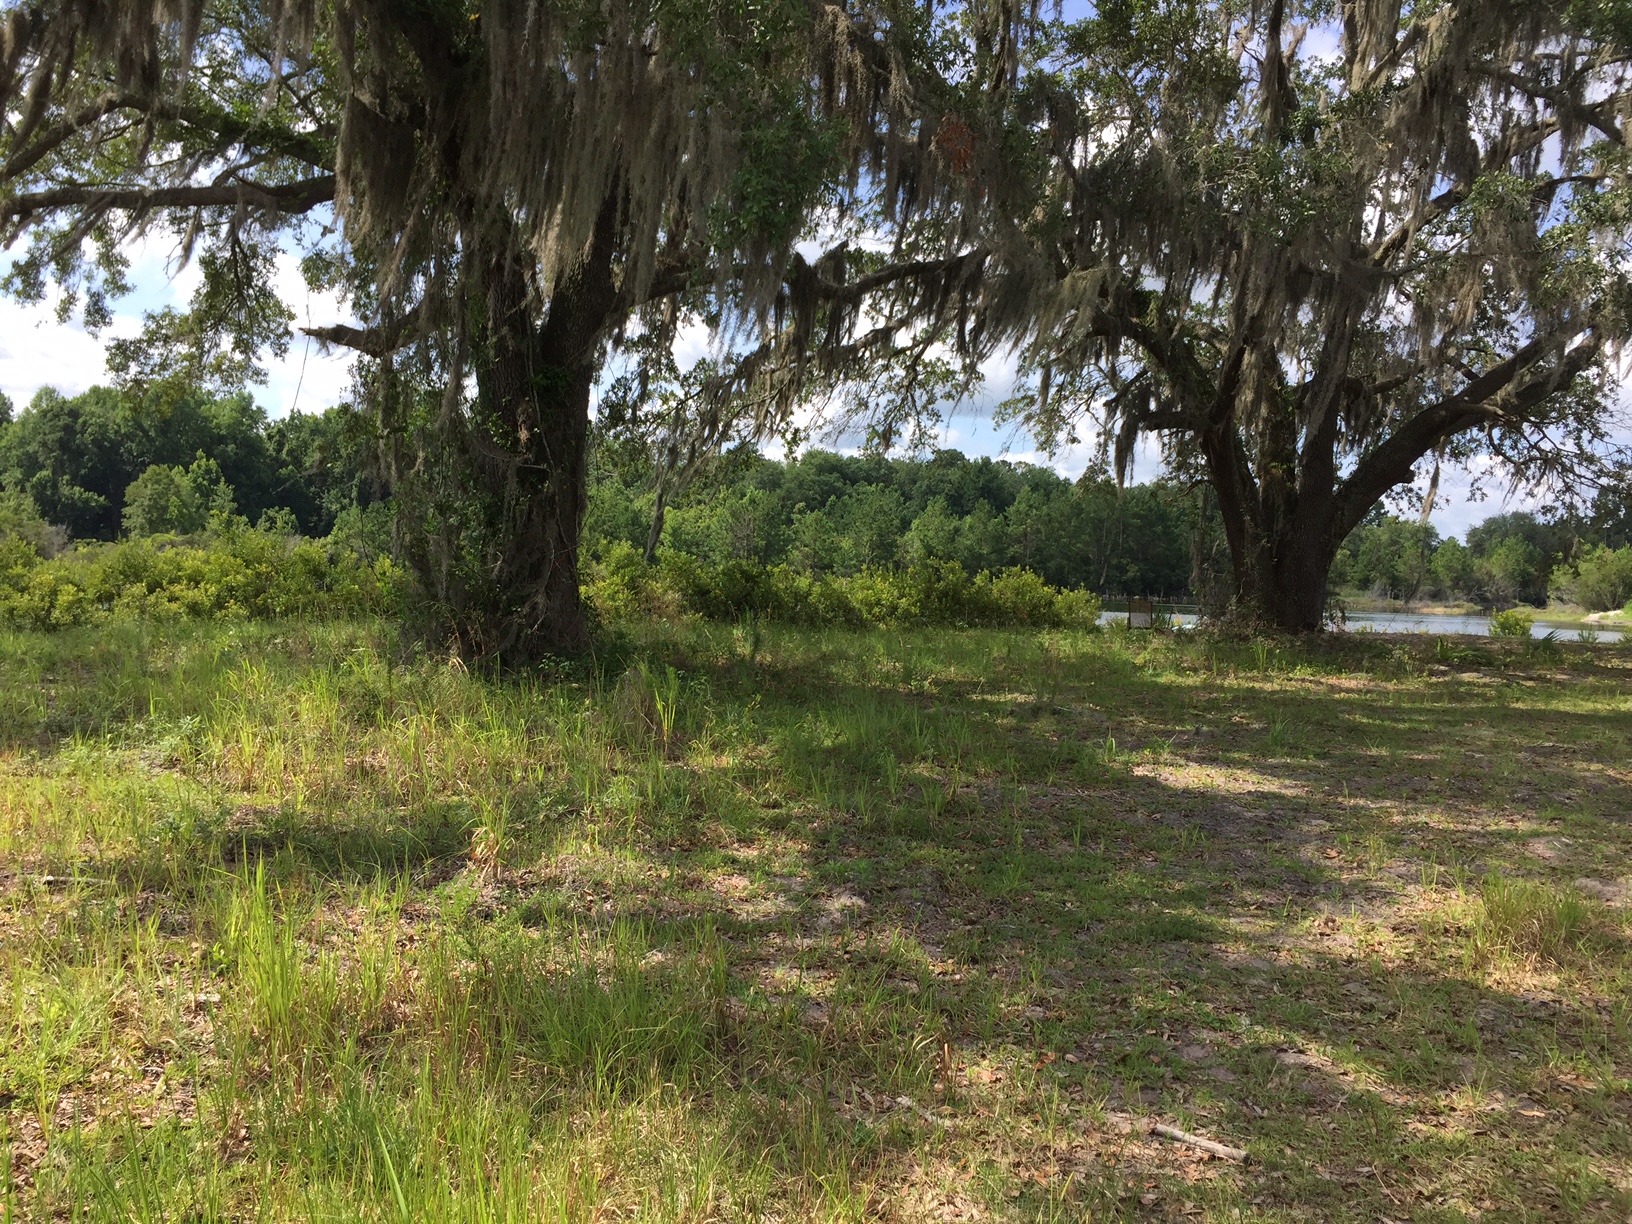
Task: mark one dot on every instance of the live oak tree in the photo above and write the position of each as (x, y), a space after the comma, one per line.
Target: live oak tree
(1312, 246)
(517, 186)
(1308, 246)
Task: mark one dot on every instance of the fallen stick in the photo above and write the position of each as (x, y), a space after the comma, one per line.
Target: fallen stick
(51, 881)
(1196, 1141)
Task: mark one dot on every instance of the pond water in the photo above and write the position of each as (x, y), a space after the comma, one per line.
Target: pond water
(1418, 622)
(1479, 626)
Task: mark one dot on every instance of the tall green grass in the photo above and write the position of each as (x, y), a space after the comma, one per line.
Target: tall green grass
(1527, 921)
(301, 922)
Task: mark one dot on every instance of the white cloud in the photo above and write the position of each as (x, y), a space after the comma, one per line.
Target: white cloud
(36, 350)
(306, 378)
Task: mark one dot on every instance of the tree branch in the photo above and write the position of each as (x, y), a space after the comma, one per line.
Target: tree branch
(300, 196)
(853, 291)
(370, 341)
(1520, 141)
(227, 128)
(54, 135)
(1594, 113)
(1391, 463)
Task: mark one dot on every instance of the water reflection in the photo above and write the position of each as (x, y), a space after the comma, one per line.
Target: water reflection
(1417, 622)
(1479, 626)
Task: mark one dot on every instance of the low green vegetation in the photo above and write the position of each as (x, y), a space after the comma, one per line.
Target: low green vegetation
(824, 513)
(108, 464)
(927, 593)
(1513, 623)
(232, 572)
(742, 920)
(1585, 561)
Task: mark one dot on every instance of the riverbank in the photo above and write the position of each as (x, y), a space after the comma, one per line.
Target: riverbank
(1366, 605)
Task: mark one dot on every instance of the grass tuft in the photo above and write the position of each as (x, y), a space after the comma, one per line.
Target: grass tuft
(1523, 920)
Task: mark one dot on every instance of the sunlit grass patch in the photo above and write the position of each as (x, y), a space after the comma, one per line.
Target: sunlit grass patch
(1527, 921)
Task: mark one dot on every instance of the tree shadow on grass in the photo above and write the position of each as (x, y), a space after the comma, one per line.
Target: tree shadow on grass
(1029, 893)
(1418, 1054)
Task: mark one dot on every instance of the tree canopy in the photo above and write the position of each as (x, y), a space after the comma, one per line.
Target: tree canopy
(1307, 273)
(1312, 250)
(516, 186)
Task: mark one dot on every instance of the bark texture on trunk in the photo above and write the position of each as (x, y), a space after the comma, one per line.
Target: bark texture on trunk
(499, 539)
(1281, 542)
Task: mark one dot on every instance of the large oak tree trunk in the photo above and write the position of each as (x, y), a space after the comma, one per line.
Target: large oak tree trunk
(1292, 596)
(1281, 578)
(1281, 544)
(499, 541)
(538, 486)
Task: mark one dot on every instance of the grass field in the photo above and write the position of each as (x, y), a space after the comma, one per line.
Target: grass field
(744, 923)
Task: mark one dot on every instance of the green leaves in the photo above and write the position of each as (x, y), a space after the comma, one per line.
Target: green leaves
(216, 345)
(787, 158)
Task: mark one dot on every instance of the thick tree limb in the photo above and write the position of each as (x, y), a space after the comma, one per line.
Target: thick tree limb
(300, 196)
(1391, 463)
(370, 341)
(1596, 114)
(57, 133)
(1167, 419)
(853, 291)
(669, 278)
(228, 129)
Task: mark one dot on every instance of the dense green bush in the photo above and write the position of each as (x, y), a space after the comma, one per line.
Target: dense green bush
(175, 500)
(76, 458)
(1506, 559)
(234, 573)
(928, 593)
(1599, 581)
(1513, 623)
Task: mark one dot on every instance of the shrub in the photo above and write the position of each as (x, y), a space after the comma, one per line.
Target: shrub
(241, 573)
(1019, 597)
(621, 585)
(930, 592)
(1599, 581)
(21, 521)
(1527, 920)
(1513, 623)
(177, 500)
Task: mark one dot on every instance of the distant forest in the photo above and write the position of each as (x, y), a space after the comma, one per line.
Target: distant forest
(103, 465)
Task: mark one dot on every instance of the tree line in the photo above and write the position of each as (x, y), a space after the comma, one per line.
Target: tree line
(108, 464)
(827, 513)
(1510, 558)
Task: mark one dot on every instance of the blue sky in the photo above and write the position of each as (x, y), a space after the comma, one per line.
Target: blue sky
(36, 350)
